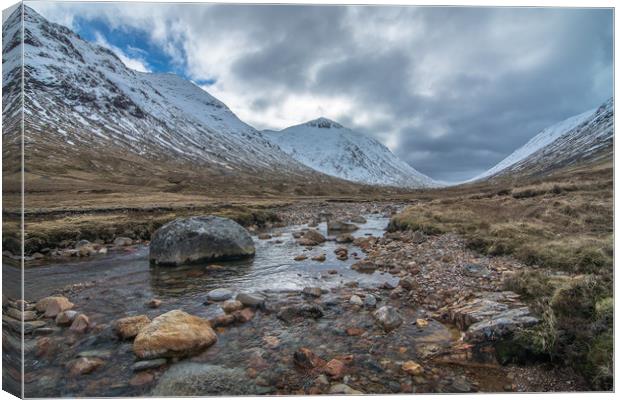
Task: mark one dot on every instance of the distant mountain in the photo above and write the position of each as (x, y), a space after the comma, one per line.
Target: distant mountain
(328, 147)
(86, 112)
(584, 137)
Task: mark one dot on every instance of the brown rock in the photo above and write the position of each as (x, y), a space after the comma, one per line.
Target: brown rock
(244, 315)
(300, 257)
(127, 328)
(80, 324)
(320, 257)
(230, 306)
(154, 303)
(141, 379)
(345, 238)
(53, 305)
(222, 320)
(66, 317)
(174, 334)
(355, 331)
(334, 368)
(305, 358)
(271, 341)
(314, 235)
(84, 365)
(413, 368)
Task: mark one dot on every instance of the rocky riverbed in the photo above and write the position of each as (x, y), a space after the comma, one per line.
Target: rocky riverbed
(315, 311)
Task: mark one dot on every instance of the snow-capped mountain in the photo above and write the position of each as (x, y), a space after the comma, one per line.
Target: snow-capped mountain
(82, 103)
(328, 147)
(584, 137)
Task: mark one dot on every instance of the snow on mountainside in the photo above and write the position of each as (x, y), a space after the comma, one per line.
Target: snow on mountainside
(330, 148)
(81, 96)
(587, 136)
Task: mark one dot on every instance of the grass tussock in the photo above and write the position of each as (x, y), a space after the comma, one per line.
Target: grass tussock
(563, 228)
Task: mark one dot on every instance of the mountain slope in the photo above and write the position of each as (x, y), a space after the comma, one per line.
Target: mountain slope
(328, 147)
(585, 137)
(87, 114)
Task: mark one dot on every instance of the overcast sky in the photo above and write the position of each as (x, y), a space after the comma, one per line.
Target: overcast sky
(452, 91)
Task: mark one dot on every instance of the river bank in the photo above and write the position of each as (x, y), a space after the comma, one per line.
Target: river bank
(423, 279)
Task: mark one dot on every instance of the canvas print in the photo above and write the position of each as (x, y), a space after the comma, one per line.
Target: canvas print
(227, 199)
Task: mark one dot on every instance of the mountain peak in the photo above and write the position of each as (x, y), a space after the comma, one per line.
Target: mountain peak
(323, 123)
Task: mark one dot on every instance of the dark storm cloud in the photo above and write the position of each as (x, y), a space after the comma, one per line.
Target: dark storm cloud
(452, 91)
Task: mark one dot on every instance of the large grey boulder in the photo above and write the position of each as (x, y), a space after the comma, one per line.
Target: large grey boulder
(196, 239)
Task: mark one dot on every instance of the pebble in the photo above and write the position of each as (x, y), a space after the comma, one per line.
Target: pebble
(251, 299)
(230, 306)
(148, 364)
(413, 368)
(312, 291)
(356, 300)
(219, 294)
(370, 301)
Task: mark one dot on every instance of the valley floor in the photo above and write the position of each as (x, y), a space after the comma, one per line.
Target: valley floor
(455, 265)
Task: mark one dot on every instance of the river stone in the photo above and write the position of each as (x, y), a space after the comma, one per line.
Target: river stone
(127, 328)
(174, 334)
(148, 364)
(502, 325)
(314, 236)
(219, 294)
(123, 241)
(230, 306)
(358, 219)
(66, 317)
(341, 388)
(194, 379)
(370, 301)
(341, 226)
(251, 299)
(53, 305)
(388, 317)
(196, 239)
(312, 291)
(356, 300)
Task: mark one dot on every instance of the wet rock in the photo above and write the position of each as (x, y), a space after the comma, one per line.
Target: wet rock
(421, 323)
(251, 299)
(502, 325)
(356, 300)
(300, 257)
(230, 306)
(358, 219)
(53, 305)
(297, 234)
(264, 236)
(19, 314)
(219, 294)
(370, 301)
(66, 317)
(153, 303)
(141, 379)
(413, 368)
(272, 342)
(354, 331)
(222, 320)
(344, 238)
(312, 291)
(341, 226)
(195, 239)
(461, 385)
(290, 313)
(122, 241)
(174, 334)
(127, 328)
(244, 315)
(341, 388)
(334, 368)
(97, 353)
(198, 379)
(148, 364)
(306, 359)
(84, 365)
(85, 248)
(80, 324)
(364, 266)
(320, 258)
(314, 236)
(388, 317)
